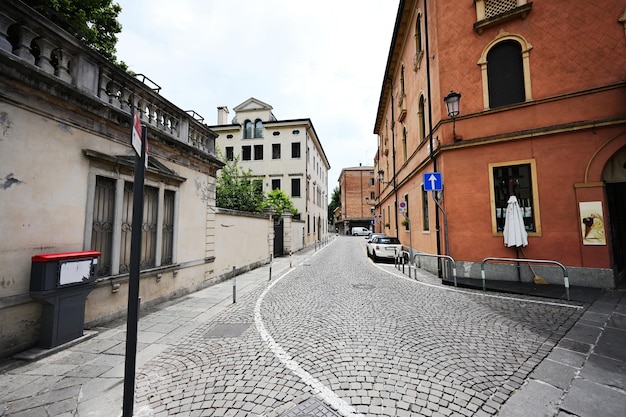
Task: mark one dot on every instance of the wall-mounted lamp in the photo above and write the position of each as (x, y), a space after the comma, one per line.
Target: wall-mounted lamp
(453, 105)
(381, 177)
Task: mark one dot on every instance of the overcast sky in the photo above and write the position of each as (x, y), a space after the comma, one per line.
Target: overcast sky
(322, 59)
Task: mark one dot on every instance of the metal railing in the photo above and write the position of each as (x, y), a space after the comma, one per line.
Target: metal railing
(448, 257)
(529, 261)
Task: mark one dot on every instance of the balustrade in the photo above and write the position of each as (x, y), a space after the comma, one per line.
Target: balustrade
(38, 43)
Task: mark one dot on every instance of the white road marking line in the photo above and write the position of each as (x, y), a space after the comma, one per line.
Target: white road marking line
(324, 392)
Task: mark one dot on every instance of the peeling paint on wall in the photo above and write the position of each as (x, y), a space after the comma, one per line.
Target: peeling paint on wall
(5, 122)
(7, 282)
(203, 190)
(9, 180)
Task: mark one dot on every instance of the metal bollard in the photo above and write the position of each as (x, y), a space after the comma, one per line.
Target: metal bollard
(271, 261)
(234, 286)
(290, 253)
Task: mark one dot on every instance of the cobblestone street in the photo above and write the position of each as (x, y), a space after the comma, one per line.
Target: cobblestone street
(339, 335)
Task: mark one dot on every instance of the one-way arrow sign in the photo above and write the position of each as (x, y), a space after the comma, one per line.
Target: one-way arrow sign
(433, 181)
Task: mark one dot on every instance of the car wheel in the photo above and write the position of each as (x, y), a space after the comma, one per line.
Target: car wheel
(374, 257)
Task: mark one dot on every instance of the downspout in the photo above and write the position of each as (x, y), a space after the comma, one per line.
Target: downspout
(430, 127)
(393, 155)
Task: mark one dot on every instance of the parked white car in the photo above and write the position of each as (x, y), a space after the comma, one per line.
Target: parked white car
(383, 247)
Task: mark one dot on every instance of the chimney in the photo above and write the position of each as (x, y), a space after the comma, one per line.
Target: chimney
(222, 115)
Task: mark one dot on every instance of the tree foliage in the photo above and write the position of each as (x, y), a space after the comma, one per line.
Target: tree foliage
(94, 22)
(280, 203)
(335, 201)
(236, 189)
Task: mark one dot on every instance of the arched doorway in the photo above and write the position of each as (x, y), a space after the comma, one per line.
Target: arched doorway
(614, 176)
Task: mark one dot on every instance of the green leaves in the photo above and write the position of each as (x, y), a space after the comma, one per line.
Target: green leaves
(94, 22)
(237, 189)
(279, 202)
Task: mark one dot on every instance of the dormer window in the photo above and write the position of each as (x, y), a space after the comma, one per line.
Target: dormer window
(258, 129)
(247, 129)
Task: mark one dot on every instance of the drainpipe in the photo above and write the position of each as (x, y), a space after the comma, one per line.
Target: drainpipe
(430, 128)
(393, 155)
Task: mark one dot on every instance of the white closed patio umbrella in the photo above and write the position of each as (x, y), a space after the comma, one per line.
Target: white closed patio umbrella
(515, 234)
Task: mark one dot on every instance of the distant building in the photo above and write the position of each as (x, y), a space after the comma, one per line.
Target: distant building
(281, 154)
(541, 117)
(357, 191)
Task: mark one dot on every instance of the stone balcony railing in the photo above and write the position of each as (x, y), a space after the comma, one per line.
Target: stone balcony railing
(36, 42)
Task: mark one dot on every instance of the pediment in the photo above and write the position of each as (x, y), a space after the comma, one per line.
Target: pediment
(252, 104)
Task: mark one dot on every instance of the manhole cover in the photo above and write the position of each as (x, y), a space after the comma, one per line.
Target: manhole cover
(311, 407)
(227, 330)
(363, 286)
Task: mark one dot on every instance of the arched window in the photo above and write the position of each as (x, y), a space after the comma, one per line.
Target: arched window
(247, 129)
(505, 68)
(258, 129)
(421, 115)
(505, 74)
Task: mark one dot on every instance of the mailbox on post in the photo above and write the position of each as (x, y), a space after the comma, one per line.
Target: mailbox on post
(62, 281)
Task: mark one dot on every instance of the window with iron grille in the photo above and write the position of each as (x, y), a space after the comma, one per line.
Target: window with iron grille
(230, 153)
(167, 248)
(497, 7)
(102, 225)
(115, 243)
(276, 184)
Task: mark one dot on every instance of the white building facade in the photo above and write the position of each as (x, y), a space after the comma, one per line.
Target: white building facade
(282, 154)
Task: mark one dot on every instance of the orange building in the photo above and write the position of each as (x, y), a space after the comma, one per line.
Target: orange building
(542, 115)
(357, 195)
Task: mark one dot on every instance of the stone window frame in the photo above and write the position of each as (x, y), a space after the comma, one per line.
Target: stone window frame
(482, 62)
(120, 170)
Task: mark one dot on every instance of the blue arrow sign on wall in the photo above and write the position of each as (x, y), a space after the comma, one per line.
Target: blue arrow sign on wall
(433, 181)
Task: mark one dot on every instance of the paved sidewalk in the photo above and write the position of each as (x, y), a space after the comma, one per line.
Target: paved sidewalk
(87, 378)
(585, 374)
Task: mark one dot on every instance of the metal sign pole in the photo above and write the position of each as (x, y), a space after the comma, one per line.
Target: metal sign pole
(133, 281)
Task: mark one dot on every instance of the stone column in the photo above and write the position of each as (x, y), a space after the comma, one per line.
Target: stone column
(5, 23)
(23, 47)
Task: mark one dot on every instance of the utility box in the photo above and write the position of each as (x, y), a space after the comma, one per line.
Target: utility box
(61, 282)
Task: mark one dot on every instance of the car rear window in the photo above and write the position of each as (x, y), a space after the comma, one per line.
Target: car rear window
(389, 240)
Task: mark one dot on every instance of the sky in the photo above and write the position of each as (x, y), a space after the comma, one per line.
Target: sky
(323, 60)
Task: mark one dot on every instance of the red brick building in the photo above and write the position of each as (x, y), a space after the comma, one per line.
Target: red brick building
(542, 116)
(357, 190)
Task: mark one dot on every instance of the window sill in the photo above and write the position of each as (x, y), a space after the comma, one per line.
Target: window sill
(518, 12)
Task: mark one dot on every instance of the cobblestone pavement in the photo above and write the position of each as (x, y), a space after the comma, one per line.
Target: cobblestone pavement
(338, 335)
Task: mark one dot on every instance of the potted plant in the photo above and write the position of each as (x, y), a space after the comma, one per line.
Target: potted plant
(387, 225)
(405, 222)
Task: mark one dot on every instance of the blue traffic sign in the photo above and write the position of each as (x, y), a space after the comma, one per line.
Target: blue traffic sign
(433, 181)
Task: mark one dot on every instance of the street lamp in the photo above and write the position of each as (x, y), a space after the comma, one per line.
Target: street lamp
(453, 105)
(381, 177)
